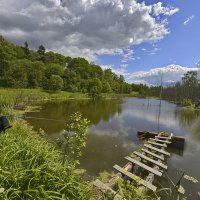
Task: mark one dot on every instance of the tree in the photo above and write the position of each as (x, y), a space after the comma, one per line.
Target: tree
(105, 86)
(41, 50)
(26, 49)
(16, 75)
(95, 88)
(53, 69)
(190, 84)
(55, 83)
(41, 53)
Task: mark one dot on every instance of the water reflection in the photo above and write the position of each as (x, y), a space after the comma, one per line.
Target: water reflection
(189, 118)
(186, 116)
(113, 133)
(95, 111)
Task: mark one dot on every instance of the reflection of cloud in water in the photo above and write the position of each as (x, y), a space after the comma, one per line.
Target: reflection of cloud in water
(166, 120)
(118, 131)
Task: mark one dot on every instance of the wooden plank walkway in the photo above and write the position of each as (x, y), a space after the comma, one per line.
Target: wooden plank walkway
(157, 144)
(150, 160)
(144, 166)
(158, 150)
(153, 154)
(161, 137)
(135, 178)
(163, 141)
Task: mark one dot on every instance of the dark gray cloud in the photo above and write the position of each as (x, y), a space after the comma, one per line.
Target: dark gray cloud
(82, 27)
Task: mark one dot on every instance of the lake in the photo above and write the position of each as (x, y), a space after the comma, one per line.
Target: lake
(113, 133)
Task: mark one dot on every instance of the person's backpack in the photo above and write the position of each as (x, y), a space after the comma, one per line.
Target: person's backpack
(4, 124)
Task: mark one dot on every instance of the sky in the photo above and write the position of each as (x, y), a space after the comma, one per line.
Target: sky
(137, 39)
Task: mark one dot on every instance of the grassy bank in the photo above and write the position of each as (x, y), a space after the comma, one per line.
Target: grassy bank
(30, 168)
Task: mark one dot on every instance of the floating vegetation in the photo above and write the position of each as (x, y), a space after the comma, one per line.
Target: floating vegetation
(190, 178)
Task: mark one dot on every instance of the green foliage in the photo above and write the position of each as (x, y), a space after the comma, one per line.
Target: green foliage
(21, 67)
(129, 191)
(94, 88)
(55, 83)
(74, 138)
(187, 102)
(31, 169)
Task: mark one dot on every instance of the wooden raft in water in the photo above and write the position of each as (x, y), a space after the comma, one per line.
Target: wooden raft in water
(152, 159)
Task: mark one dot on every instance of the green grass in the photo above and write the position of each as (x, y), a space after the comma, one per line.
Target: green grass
(30, 168)
(38, 94)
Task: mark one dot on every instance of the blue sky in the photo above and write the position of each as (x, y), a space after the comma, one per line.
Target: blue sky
(137, 39)
(181, 46)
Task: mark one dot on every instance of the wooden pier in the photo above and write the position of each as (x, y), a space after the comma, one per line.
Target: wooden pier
(151, 158)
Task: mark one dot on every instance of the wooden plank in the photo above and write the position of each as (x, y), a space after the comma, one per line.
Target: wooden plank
(144, 166)
(161, 137)
(158, 150)
(153, 154)
(163, 141)
(150, 160)
(104, 188)
(135, 178)
(157, 144)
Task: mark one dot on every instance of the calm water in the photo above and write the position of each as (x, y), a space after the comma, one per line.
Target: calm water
(113, 133)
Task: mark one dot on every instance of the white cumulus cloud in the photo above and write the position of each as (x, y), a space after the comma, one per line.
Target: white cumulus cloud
(83, 27)
(171, 74)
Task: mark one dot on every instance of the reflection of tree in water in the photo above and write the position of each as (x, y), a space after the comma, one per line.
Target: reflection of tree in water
(95, 111)
(189, 117)
(186, 116)
(196, 130)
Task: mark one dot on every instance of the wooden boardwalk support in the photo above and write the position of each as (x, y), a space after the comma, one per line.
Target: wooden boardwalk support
(135, 178)
(150, 158)
(144, 166)
(106, 189)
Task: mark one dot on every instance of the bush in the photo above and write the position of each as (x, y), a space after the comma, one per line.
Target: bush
(187, 102)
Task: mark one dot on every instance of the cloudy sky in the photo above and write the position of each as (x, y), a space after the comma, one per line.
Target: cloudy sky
(138, 39)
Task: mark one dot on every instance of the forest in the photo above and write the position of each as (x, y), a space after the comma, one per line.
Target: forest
(21, 67)
(185, 92)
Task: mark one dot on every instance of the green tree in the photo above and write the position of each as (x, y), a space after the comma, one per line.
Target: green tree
(35, 74)
(55, 83)
(105, 86)
(16, 75)
(26, 49)
(95, 88)
(41, 50)
(190, 84)
(54, 69)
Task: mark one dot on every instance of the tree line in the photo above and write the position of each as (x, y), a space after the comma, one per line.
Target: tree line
(21, 67)
(186, 91)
